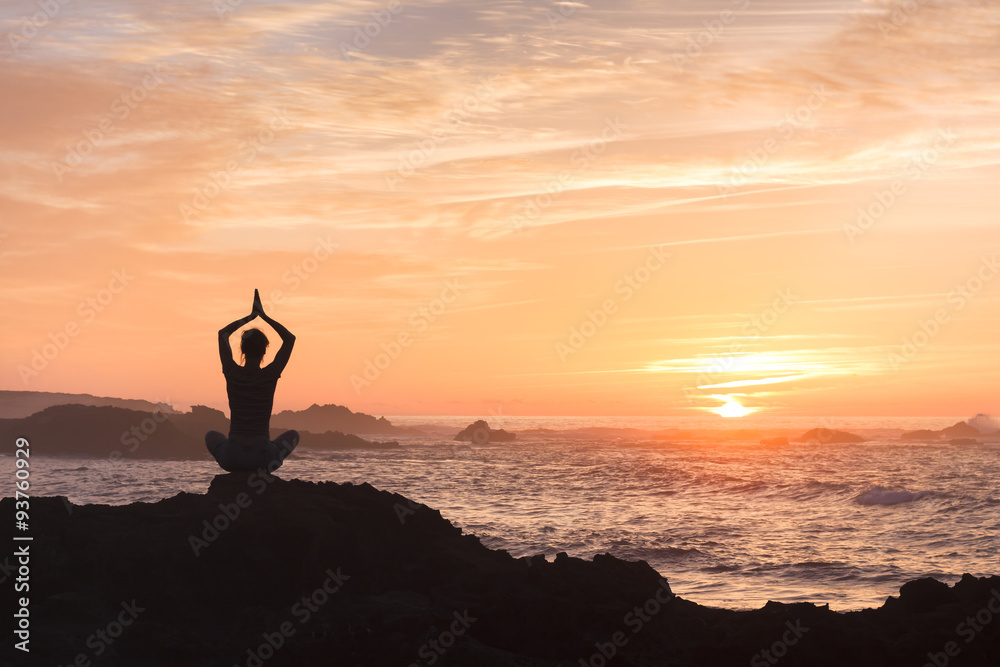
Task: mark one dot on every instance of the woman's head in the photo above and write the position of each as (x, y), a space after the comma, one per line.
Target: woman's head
(253, 344)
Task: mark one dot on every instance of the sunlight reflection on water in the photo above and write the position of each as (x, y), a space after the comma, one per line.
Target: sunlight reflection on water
(729, 525)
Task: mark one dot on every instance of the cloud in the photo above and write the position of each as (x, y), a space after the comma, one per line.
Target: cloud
(417, 153)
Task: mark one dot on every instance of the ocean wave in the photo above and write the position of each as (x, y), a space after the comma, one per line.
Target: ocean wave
(876, 494)
(721, 568)
(812, 564)
(659, 555)
(813, 489)
(751, 487)
(818, 484)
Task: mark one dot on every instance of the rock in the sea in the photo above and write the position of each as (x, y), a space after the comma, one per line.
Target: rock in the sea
(959, 430)
(825, 436)
(335, 440)
(964, 442)
(336, 418)
(113, 432)
(264, 572)
(120, 433)
(480, 433)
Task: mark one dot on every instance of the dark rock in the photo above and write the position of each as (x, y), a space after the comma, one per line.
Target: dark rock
(960, 430)
(480, 433)
(358, 576)
(956, 431)
(119, 433)
(20, 404)
(323, 418)
(199, 421)
(922, 595)
(335, 440)
(103, 431)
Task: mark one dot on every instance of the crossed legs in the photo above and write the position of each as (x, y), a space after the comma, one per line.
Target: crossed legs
(233, 456)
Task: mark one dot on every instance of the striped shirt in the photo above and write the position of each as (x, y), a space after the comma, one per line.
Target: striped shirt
(251, 397)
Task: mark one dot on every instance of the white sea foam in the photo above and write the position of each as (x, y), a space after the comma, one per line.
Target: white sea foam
(876, 494)
(985, 423)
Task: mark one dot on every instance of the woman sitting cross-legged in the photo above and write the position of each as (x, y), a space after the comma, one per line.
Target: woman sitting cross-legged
(251, 397)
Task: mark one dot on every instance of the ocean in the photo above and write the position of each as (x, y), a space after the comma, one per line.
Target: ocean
(728, 521)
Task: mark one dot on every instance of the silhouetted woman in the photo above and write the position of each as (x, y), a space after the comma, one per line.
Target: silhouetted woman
(251, 397)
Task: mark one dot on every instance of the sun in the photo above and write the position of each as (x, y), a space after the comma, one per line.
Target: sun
(732, 408)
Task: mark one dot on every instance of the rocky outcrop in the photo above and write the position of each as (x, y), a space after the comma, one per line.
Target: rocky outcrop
(480, 433)
(106, 432)
(323, 418)
(18, 404)
(959, 430)
(199, 421)
(119, 433)
(335, 440)
(263, 571)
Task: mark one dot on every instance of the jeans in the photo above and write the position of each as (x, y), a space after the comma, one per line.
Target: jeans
(241, 455)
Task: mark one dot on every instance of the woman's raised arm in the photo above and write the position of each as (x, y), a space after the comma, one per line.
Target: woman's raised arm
(225, 351)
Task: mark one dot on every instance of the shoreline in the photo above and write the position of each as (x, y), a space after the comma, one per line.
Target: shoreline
(734, 572)
(238, 558)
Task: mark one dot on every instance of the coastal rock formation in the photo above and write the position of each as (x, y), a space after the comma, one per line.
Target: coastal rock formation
(199, 421)
(120, 433)
(480, 433)
(323, 418)
(263, 571)
(18, 404)
(825, 436)
(959, 430)
(335, 440)
(106, 432)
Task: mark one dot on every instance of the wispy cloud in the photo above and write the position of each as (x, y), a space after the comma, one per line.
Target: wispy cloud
(733, 160)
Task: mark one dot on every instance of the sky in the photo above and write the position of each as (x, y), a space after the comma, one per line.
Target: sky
(525, 208)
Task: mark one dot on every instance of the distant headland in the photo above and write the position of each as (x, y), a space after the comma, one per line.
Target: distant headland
(121, 428)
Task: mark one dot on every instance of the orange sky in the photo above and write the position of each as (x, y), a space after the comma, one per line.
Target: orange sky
(482, 179)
